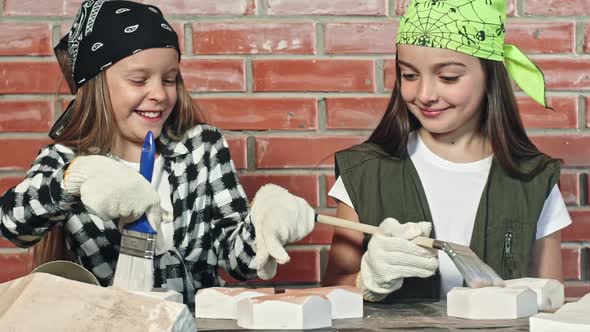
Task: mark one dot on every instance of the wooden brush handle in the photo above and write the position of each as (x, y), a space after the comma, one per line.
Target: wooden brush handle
(367, 229)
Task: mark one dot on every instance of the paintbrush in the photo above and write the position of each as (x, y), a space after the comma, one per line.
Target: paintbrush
(135, 269)
(475, 272)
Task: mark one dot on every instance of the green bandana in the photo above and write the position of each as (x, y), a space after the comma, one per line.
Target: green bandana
(474, 27)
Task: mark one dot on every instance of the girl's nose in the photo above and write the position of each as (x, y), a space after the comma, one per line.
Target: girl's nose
(427, 93)
(157, 91)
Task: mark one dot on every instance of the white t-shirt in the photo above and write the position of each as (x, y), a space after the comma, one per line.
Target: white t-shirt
(454, 215)
(160, 181)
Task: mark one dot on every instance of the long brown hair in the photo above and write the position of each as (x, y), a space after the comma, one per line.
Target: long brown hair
(92, 127)
(500, 124)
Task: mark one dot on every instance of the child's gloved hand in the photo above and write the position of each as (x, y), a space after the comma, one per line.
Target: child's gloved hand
(279, 218)
(391, 257)
(112, 190)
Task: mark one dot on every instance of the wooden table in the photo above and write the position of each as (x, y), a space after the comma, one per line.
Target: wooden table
(407, 316)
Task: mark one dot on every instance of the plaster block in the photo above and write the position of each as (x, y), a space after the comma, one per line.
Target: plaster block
(285, 312)
(574, 307)
(571, 317)
(220, 302)
(163, 294)
(346, 301)
(564, 322)
(61, 304)
(550, 293)
(491, 302)
(584, 300)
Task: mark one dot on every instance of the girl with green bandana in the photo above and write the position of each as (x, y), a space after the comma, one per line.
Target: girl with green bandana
(449, 159)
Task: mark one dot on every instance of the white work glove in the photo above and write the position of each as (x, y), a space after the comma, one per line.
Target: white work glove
(165, 238)
(112, 190)
(279, 218)
(391, 257)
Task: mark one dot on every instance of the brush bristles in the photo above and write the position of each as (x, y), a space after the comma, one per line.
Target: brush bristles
(134, 273)
(475, 272)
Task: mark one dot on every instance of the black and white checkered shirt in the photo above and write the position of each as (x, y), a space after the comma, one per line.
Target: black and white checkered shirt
(211, 224)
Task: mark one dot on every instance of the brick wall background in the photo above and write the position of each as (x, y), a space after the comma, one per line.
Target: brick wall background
(293, 81)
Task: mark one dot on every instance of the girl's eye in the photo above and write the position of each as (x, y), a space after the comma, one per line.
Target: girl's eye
(409, 77)
(171, 81)
(137, 81)
(449, 79)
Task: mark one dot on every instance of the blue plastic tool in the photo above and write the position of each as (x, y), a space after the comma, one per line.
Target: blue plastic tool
(146, 168)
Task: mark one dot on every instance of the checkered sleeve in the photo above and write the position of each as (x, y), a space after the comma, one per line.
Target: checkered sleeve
(232, 230)
(31, 208)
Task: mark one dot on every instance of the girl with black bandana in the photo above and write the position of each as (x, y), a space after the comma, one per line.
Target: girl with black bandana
(121, 59)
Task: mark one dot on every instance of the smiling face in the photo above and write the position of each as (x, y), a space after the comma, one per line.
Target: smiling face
(142, 89)
(443, 89)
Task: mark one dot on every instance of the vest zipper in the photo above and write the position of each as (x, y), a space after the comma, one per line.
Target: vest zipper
(507, 254)
(508, 243)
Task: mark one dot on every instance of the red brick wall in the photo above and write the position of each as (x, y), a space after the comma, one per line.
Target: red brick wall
(292, 81)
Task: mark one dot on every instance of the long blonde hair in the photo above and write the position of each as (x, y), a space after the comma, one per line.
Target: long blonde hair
(92, 127)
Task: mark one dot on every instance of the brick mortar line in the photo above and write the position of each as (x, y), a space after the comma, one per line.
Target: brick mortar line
(312, 170)
(301, 133)
(391, 8)
(385, 93)
(251, 153)
(9, 173)
(278, 18)
(55, 34)
(289, 56)
(283, 172)
(286, 18)
(583, 208)
(577, 283)
(322, 192)
(13, 251)
(327, 133)
(281, 18)
(322, 114)
(307, 247)
(28, 58)
(571, 245)
(25, 135)
(362, 56)
(27, 97)
(340, 57)
(519, 8)
(188, 39)
(579, 37)
(57, 109)
(261, 8)
(582, 180)
(582, 112)
(379, 73)
(319, 172)
(219, 18)
(269, 95)
(584, 264)
(570, 170)
(320, 39)
(558, 131)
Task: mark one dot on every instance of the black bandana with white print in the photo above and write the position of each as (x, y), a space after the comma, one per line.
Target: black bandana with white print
(105, 32)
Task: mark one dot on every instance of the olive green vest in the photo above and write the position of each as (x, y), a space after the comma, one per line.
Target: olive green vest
(382, 186)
